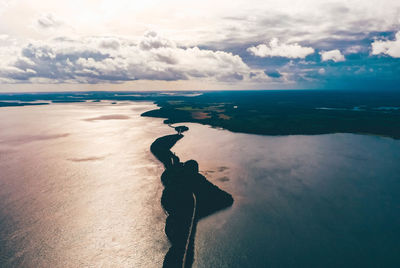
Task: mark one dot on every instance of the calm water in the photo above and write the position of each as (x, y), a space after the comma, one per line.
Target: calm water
(79, 188)
(300, 201)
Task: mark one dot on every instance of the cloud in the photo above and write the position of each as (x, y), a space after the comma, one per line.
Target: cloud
(318, 24)
(220, 27)
(354, 49)
(334, 55)
(273, 73)
(391, 48)
(110, 43)
(71, 43)
(152, 40)
(275, 49)
(115, 60)
(46, 21)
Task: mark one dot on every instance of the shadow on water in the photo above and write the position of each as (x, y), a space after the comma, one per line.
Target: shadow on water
(187, 197)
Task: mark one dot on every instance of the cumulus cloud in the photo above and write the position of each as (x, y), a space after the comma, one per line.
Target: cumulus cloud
(391, 48)
(317, 25)
(154, 41)
(276, 49)
(110, 43)
(334, 55)
(113, 59)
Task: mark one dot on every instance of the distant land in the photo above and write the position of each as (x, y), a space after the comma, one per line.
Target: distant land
(269, 112)
(289, 112)
(16, 103)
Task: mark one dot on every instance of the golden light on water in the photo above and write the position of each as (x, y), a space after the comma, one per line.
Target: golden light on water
(82, 192)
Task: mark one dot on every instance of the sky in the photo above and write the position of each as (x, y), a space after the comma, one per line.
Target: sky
(48, 45)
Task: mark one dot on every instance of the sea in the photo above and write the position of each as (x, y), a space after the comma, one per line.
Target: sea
(79, 187)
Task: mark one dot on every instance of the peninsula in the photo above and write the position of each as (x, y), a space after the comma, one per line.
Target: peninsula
(187, 197)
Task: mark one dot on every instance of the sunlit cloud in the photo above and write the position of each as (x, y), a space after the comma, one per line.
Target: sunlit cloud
(114, 60)
(276, 49)
(262, 42)
(334, 55)
(388, 47)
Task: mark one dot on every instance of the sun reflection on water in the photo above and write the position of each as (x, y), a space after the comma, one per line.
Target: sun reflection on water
(77, 192)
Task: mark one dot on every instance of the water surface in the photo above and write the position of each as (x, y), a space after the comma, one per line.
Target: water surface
(80, 188)
(300, 201)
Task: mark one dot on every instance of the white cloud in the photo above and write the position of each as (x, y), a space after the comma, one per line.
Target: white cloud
(334, 55)
(48, 21)
(391, 48)
(115, 59)
(275, 49)
(208, 22)
(216, 25)
(353, 49)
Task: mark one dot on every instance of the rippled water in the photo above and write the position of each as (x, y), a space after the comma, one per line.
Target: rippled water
(300, 201)
(80, 188)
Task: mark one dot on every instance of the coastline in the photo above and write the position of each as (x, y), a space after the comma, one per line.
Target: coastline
(268, 132)
(273, 113)
(187, 197)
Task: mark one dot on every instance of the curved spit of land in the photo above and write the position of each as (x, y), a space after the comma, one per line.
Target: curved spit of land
(189, 236)
(187, 197)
